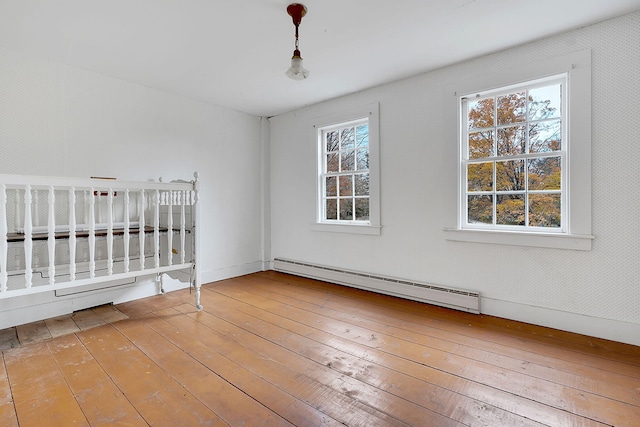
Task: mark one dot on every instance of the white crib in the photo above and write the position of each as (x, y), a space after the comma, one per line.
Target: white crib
(58, 233)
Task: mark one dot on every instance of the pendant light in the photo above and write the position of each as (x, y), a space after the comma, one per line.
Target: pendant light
(297, 71)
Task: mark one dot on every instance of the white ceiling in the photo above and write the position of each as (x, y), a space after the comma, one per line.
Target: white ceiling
(233, 53)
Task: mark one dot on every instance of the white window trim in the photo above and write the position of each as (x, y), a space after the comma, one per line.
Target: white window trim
(578, 234)
(372, 227)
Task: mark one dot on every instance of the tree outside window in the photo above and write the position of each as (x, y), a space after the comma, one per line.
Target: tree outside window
(345, 174)
(513, 157)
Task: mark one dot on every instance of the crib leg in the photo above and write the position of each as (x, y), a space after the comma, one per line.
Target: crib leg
(160, 283)
(198, 305)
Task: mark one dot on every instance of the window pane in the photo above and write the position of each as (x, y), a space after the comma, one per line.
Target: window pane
(512, 108)
(545, 173)
(346, 185)
(332, 209)
(480, 177)
(480, 209)
(510, 175)
(331, 188)
(348, 139)
(510, 209)
(511, 141)
(362, 184)
(362, 158)
(545, 102)
(362, 136)
(545, 137)
(332, 141)
(544, 210)
(347, 161)
(346, 209)
(480, 113)
(362, 209)
(480, 144)
(332, 162)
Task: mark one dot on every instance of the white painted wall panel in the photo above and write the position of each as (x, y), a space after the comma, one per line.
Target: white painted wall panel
(418, 175)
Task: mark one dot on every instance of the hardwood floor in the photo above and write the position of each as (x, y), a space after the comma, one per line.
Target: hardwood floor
(279, 350)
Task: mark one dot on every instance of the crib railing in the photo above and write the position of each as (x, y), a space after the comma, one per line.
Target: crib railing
(58, 233)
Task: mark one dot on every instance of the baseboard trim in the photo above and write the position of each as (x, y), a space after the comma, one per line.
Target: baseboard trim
(230, 272)
(458, 299)
(614, 330)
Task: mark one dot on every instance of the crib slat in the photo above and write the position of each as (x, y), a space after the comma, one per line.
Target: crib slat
(85, 212)
(98, 203)
(170, 229)
(3, 238)
(110, 232)
(183, 197)
(156, 229)
(92, 234)
(36, 210)
(28, 238)
(16, 213)
(51, 238)
(126, 230)
(72, 231)
(141, 232)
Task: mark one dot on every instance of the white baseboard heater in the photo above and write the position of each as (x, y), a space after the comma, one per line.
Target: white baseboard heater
(458, 299)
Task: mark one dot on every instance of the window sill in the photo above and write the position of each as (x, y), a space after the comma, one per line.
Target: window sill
(367, 229)
(575, 242)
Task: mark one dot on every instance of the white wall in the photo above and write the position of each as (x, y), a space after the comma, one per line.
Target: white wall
(595, 292)
(64, 121)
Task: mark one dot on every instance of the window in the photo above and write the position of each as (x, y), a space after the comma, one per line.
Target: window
(524, 155)
(348, 172)
(514, 156)
(345, 172)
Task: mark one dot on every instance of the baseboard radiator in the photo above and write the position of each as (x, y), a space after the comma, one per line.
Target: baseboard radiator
(458, 299)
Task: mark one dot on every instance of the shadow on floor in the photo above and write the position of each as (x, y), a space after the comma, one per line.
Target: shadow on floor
(57, 326)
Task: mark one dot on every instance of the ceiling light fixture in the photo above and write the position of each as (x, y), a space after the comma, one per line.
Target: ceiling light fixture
(297, 71)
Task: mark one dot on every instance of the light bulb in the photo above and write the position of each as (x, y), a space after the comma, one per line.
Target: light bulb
(297, 70)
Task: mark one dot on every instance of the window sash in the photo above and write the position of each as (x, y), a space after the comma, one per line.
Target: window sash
(323, 132)
(525, 157)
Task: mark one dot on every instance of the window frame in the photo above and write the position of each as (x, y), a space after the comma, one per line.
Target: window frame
(336, 121)
(576, 231)
(495, 158)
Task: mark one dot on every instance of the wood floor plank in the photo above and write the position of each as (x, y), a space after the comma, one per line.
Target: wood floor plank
(275, 349)
(556, 395)
(33, 332)
(39, 390)
(157, 397)
(286, 405)
(9, 339)
(99, 398)
(505, 324)
(87, 319)
(478, 322)
(232, 404)
(62, 325)
(109, 314)
(8, 416)
(473, 401)
(607, 384)
(336, 404)
(464, 324)
(144, 307)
